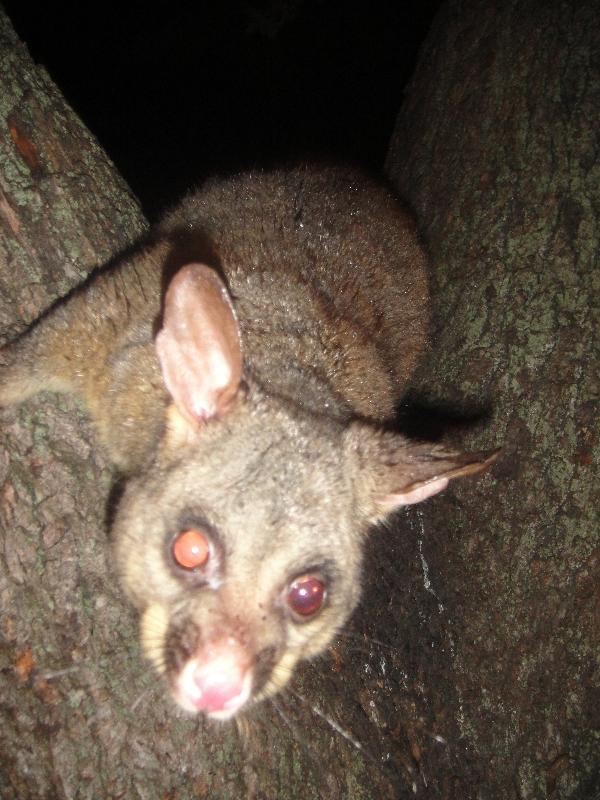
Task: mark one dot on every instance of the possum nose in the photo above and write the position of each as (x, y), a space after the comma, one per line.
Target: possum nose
(217, 680)
(220, 685)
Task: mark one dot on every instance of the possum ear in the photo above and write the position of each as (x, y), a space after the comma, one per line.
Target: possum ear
(199, 346)
(392, 471)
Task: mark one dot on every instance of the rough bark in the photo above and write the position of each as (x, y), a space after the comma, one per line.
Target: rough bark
(496, 147)
(81, 714)
(471, 670)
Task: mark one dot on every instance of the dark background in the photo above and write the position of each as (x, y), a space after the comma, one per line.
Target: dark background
(176, 91)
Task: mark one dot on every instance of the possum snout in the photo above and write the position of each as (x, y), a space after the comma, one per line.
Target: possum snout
(214, 662)
(216, 680)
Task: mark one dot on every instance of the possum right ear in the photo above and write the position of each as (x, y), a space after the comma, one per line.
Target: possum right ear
(199, 346)
(391, 471)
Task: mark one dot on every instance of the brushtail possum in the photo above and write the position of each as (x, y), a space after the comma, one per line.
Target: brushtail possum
(239, 369)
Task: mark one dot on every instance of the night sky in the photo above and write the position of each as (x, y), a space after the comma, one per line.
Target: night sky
(176, 91)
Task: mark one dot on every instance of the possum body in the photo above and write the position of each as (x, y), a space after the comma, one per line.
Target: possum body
(239, 369)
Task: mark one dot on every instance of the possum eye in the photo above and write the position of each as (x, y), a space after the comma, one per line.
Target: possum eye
(306, 595)
(191, 549)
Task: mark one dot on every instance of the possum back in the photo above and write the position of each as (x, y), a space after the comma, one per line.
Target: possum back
(238, 368)
(327, 273)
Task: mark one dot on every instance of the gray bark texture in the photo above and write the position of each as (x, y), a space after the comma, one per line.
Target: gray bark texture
(496, 147)
(471, 669)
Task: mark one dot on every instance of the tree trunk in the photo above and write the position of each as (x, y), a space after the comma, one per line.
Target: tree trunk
(496, 147)
(470, 670)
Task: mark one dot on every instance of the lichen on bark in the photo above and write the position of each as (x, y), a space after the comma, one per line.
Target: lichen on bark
(471, 670)
(496, 147)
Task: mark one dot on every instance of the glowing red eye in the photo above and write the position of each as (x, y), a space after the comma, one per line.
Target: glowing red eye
(191, 549)
(306, 595)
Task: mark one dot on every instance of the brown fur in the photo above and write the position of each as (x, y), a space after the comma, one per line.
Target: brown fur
(326, 287)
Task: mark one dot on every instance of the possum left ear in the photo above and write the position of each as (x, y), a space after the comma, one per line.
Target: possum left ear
(199, 346)
(391, 471)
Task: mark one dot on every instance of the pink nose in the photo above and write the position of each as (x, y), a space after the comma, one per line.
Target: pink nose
(217, 680)
(220, 683)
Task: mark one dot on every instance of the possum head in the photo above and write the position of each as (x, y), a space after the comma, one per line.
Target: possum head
(242, 545)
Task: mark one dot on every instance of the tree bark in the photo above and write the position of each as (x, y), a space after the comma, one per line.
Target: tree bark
(471, 668)
(496, 147)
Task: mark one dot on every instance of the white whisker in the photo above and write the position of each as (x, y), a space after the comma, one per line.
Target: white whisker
(52, 675)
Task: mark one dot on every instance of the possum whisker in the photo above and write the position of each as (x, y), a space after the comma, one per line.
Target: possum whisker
(52, 675)
(335, 726)
(356, 637)
(87, 663)
(56, 674)
(143, 695)
(292, 727)
(351, 648)
(383, 765)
